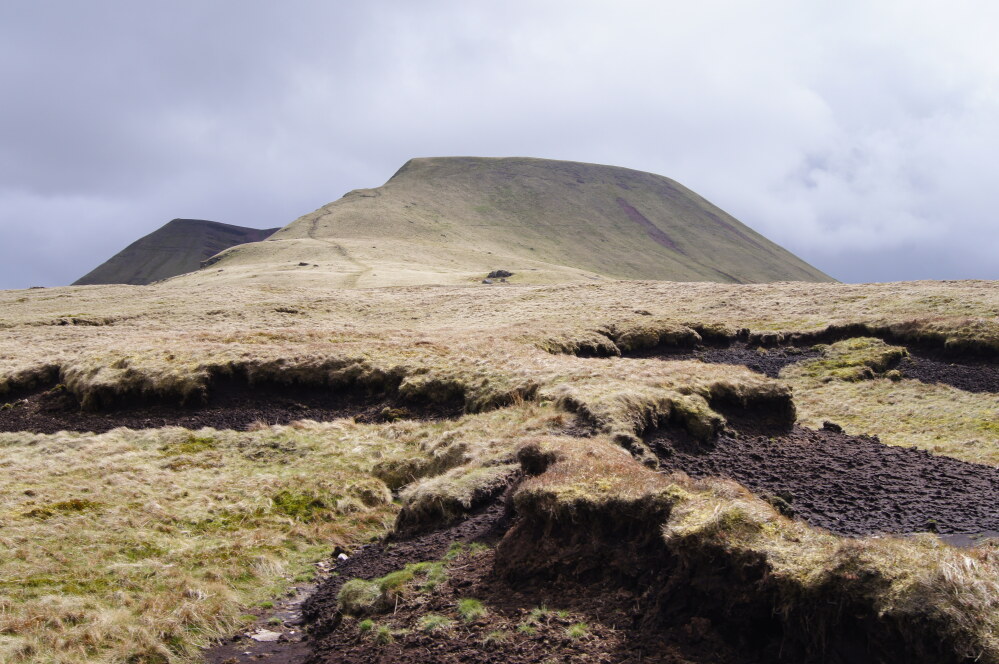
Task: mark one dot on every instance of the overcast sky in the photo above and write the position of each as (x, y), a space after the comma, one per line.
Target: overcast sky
(862, 136)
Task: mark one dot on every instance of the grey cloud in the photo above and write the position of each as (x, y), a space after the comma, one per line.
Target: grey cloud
(860, 137)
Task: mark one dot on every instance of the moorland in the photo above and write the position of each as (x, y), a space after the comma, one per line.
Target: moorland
(262, 462)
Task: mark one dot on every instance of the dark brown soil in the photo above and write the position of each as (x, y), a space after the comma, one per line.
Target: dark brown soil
(851, 485)
(367, 562)
(969, 375)
(768, 361)
(375, 560)
(232, 404)
(612, 616)
(966, 373)
(608, 618)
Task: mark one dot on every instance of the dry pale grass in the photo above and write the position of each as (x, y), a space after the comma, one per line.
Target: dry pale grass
(848, 385)
(148, 544)
(934, 417)
(153, 542)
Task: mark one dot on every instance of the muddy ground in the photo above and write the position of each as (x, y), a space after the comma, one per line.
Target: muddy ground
(851, 485)
(525, 622)
(231, 405)
(767, 361)
(965, 373)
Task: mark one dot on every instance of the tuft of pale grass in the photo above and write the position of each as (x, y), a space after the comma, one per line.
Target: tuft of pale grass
(471, 609)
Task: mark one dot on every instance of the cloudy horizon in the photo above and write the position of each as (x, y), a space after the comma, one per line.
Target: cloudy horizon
(860, 136)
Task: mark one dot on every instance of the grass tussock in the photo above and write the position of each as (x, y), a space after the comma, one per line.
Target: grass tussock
(359, 597)
(855, 359)
(447, 498)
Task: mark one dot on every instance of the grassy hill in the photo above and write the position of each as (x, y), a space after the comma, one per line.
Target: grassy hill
(177, 247)
(452, 220)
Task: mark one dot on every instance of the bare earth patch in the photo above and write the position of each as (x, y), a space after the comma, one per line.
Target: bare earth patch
(852, 485)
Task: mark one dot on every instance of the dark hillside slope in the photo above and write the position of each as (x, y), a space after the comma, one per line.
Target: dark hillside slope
(175, 248)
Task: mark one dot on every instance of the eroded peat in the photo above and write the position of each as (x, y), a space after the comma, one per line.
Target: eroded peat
(767, 361)
(231, 403)
(851, 485)
(971, 374)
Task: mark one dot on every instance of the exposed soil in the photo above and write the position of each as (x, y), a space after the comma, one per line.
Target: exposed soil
(969, 375)
(375, 560)
(966, 373)
(607, 620)
(232, 404)
(768, 361)
(613, 629)
(851, 485)
(612, 616)
(320, 607)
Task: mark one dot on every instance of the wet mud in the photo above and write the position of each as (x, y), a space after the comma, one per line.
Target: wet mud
(231, 404)
(850, 485)
(549, 606)
(319, 609)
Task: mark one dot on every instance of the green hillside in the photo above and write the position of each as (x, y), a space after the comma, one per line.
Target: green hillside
(175, 248)
(452, 220)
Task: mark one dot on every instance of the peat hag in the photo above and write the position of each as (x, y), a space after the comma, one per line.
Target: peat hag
(767, 361)
(968, 373)
(232, 403)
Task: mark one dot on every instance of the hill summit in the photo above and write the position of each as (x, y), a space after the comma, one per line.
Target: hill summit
(452, 220)
(177, 247)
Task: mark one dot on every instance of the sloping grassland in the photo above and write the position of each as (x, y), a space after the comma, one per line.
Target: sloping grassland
(452, 220)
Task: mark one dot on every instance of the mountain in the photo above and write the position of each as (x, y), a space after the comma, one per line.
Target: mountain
(175, 248)
(452, 220)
